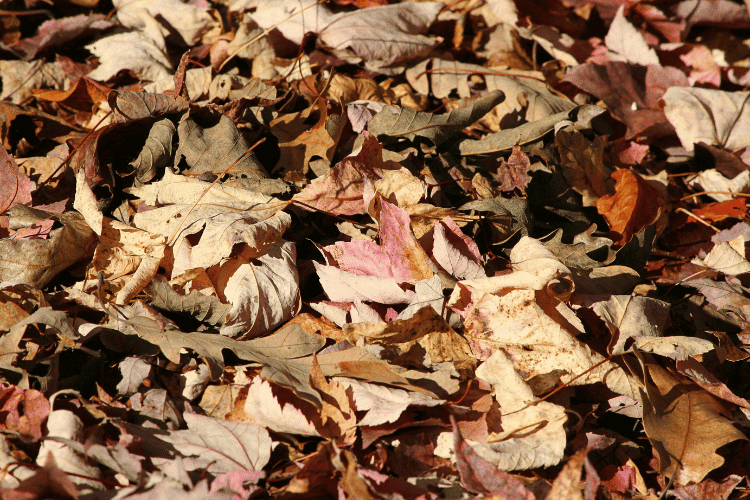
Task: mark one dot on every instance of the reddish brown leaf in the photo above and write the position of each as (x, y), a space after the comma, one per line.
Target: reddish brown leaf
(23, 411)
(482, 477)
(634, 205)
(631, 93)
(82, 95)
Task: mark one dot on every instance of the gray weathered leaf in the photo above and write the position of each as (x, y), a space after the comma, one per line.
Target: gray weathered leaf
(134, 372)
(212, 144)
(395, 121)
(196, 304)
(506, 139)
(518, 208)
(156, 152)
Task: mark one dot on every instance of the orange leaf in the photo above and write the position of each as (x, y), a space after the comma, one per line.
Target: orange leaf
(634, 205)
(82, 95)
(715, 212)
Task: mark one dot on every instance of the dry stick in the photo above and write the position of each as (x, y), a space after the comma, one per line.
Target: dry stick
(701, 193)
(43, 12)
(450, 71)
(179, 226)
(566, 384)
(698, 218)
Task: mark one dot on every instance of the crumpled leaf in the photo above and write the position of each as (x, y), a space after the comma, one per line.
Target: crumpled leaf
(343, 286)
(522, 134)
(341, 190)
(393, 121)
(527, 97)
(15, 186)
(568, 485)
(516, 209)
(631, 93)
(67, 425)
(727, 257)
(49, 479)
(223, 222)
(628, 42)
(25, 79)
(532, 435)
(157, 151)
(36, 262)
(583, 165)
(23, 411)
(264, 293)
(193, 23)
(131, 106)
(426, 331)
(628, 317)
(522, 314)
(455, 252)
(196, 304)
(134, 371)
(482, 477)
(278, 410)
(399, 255)
(383, 404)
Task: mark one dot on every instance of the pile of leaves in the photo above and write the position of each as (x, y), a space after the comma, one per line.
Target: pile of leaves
(354, 249)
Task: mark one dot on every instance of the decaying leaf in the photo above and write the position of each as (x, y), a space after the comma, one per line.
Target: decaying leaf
(368, 250)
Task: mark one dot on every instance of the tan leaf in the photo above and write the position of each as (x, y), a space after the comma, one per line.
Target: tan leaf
(727, 257)
(338, 421)
(685, 424)
(426, 328)
(533, 435)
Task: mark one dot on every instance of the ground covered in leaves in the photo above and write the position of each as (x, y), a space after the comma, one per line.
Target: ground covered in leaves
(352, 249)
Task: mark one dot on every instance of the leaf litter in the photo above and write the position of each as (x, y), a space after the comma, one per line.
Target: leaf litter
(360, 249)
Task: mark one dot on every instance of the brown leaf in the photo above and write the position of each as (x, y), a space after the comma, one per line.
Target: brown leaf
(583, 165)
(685, 424)
(634, 205)
(82, 95)
(337, 418)
(630, 92)
(131, 106)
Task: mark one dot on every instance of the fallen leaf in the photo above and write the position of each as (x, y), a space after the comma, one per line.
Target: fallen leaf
(685, 424)
(634, 205)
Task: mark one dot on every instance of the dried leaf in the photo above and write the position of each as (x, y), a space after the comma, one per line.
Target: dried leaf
(393, 121)
(634, 205)
(685, 424)
(219, 446)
